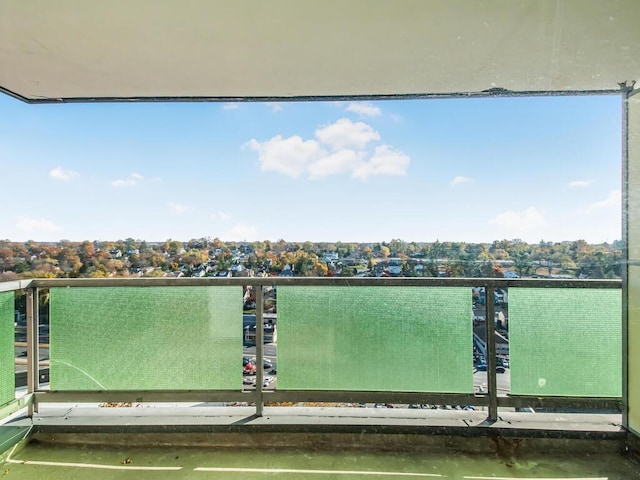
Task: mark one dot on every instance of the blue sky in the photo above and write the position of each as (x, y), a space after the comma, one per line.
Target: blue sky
(474, 170)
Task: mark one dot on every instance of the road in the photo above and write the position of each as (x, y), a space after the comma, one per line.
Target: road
(503, 380)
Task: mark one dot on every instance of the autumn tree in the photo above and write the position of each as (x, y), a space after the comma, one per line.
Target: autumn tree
(69, 261)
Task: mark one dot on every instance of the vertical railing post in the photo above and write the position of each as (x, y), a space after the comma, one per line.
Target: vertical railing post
(259, 349)
(33, 351)
(625, 91)
(490, 333)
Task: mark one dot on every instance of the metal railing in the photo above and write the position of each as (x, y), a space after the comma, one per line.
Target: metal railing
(489, 399)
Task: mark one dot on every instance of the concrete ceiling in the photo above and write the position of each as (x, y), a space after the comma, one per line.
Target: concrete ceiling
(82, 50)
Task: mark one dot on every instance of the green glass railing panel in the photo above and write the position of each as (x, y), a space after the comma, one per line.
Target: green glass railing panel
(410, 339)
(146, 338)
(7, 348)
(565, 341)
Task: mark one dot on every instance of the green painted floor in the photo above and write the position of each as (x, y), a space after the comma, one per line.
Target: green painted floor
(10, 435)
(44, 461)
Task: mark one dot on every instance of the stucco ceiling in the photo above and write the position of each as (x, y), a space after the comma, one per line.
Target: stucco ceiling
(265, 49)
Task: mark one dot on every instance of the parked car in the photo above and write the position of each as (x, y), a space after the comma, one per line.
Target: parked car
(249, 369)
(266, 363)
(481, 368)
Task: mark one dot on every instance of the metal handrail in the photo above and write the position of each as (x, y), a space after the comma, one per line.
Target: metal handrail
(326, 281)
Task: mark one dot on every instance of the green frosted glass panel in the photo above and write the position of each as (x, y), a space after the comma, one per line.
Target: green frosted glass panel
(146, 338)
(565, 342)
(411, 339)
(7, 349)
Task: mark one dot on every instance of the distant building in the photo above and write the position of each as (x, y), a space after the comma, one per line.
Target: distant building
(287, 271)
(270, 331)
(394, 266)
(330, 257)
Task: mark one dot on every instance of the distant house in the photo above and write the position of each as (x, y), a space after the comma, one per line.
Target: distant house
(241, 271)
(394, 266)
(287, 271)
(173, 274)
(362, 271)
(135, 271)
(330, 257)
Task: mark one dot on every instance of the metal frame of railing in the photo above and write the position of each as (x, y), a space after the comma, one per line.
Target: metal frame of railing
(259, 396)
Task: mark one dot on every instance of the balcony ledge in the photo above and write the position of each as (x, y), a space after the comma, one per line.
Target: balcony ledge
(218, 419)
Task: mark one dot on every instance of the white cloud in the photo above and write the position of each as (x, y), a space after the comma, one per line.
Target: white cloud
(59, 174)
(289, 156)
(220, 216)
(130, 181)
(177, 207)
(230, 106)
(345, 153)
(338, 162)
(241, 232)
(385, 161)
(364, 109)
(613, 200)
(523, 221)
(274, 106)
(346, 134)
(580, 183)
(28, 224)
(459, 180)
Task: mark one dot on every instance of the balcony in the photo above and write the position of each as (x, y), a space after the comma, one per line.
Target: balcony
(156, 361)
(214, 51)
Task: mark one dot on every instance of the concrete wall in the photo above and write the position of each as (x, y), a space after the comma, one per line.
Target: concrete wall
(633, 219)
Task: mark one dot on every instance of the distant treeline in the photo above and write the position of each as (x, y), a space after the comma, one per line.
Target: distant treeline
(211, 257)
